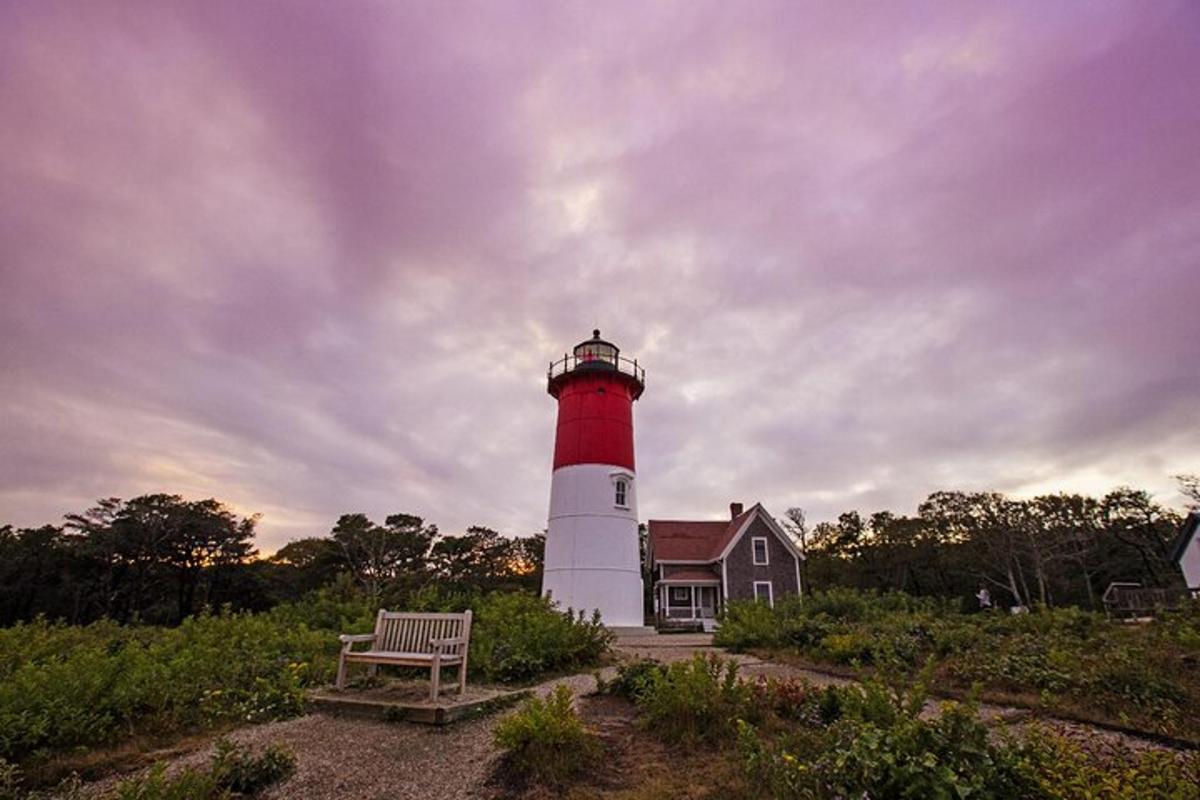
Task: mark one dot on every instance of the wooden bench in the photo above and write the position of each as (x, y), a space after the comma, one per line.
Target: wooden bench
(412, 640)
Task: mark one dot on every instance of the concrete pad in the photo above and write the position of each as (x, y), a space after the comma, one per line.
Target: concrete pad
(409, 701)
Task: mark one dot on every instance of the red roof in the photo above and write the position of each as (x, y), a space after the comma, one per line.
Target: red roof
(680, 540)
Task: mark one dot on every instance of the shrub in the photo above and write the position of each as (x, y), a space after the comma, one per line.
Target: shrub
(1063, 771)
(635, 678)
(745, 624)
(545, 742)
(519, 636)
(188, 784)
(244, 774)
(233, 772)
(846, 648)
(10, 781)
(696, 700)
(881, 747)
(797, 700)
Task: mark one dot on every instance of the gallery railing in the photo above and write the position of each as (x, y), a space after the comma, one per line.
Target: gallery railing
(570, 363)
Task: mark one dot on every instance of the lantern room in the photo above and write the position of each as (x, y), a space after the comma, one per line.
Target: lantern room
(592, 356)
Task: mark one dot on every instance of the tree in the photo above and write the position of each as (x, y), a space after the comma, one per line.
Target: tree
(32, 571)
(303, 565)
(158, 557)
(1132, 518)
(796, 524)
(988, 524)
(1071, 524)
(483, 559)
(1189, 487)
(378, 554)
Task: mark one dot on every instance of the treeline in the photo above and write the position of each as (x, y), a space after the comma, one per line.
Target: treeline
(159, 559)
(1059, 549)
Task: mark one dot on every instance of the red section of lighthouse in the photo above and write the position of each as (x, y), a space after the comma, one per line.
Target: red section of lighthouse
(593, 558)
(595, 422)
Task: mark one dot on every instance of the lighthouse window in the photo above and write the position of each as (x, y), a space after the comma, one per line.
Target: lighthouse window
(620, 493)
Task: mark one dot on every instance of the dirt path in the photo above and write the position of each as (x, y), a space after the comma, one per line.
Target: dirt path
(682, 646)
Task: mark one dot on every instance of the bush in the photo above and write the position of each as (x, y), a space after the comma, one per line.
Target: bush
(233, 772)
(241, 773)
(797, 700)
(694, 701)
(745, 624)
(1062, 771)
(881, 747)
(519, 636)
(187, 784)
(545, 742)
(634, 679)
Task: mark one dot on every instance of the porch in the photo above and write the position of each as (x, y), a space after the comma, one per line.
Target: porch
(688, 600)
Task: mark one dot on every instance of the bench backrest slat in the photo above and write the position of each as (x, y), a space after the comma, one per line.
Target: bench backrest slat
(403, 632)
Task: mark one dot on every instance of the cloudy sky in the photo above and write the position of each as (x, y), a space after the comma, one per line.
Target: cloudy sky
(313, 258)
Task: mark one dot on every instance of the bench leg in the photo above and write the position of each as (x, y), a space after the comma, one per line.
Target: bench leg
(373, 670)
(341, 675)
(435, 678)
(462, 676)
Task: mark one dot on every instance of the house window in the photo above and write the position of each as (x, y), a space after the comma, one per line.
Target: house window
(759, 543)
(763, 592)
(620, 493)
(681, 595)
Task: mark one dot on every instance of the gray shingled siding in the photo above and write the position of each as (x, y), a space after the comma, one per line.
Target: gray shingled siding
(742, 572)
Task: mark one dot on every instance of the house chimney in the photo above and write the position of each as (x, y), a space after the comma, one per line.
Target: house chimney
(735, 510)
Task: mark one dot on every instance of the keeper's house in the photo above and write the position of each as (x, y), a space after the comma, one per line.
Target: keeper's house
(697, 566)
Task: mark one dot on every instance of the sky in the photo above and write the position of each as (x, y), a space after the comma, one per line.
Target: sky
(314, 258)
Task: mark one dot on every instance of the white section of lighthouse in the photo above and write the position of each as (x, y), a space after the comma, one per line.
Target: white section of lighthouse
(593, 558)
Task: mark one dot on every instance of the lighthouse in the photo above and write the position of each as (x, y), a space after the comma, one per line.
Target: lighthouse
(593, 559)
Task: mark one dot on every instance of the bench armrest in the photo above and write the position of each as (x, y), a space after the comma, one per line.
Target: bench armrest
(349, 640)
(453, 640)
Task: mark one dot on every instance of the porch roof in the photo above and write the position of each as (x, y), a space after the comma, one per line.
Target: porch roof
(690, 576)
